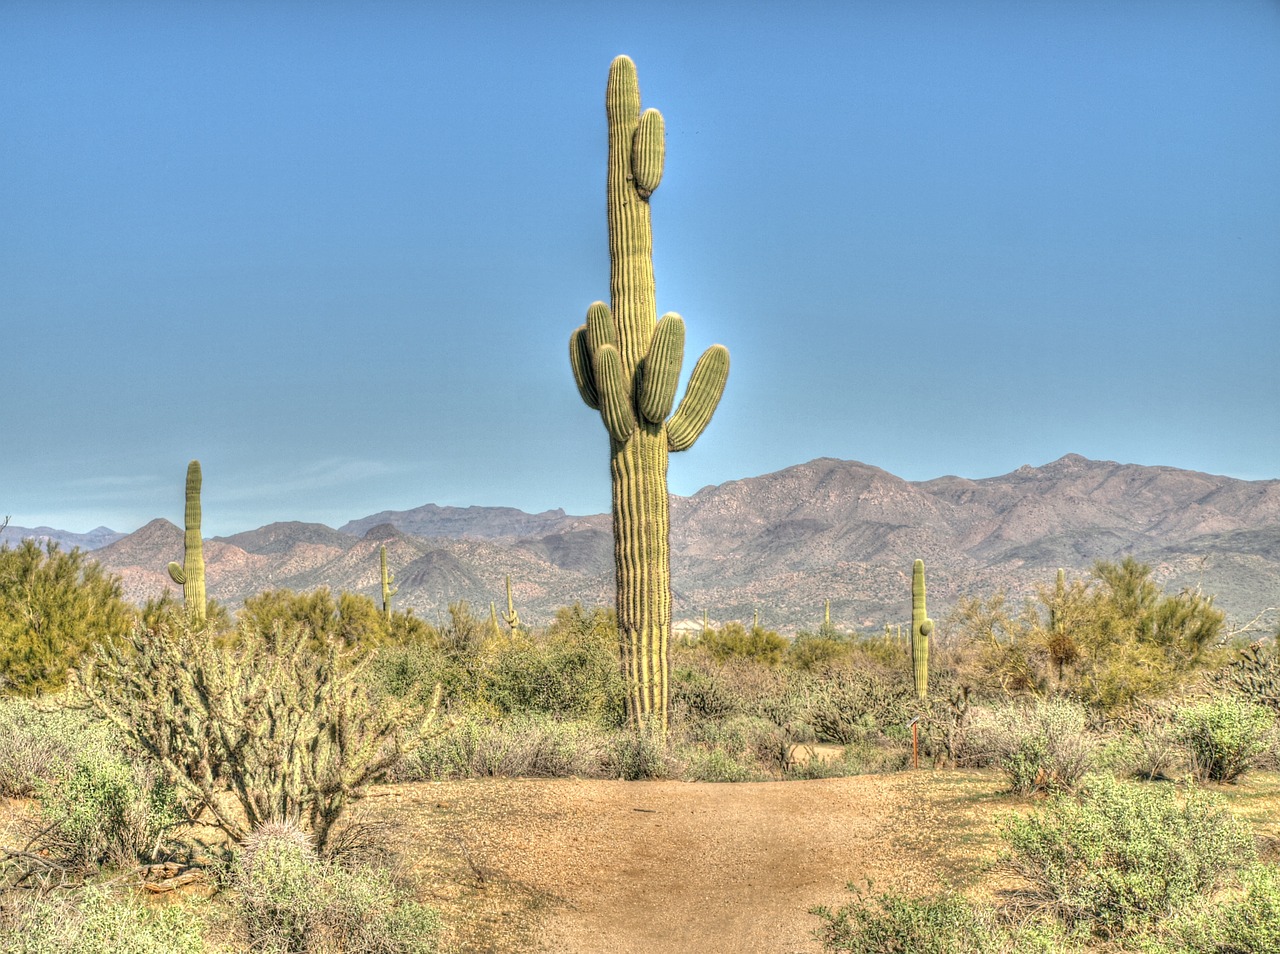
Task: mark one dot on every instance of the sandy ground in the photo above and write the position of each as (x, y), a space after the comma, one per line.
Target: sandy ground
(589, 867)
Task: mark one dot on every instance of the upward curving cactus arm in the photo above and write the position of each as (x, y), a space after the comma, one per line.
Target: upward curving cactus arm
(190, 574)
(626, 365)
(706, 386)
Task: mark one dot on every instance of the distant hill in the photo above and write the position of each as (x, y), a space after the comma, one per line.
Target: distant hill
(92, 540)
(469, 523)
(781, 543)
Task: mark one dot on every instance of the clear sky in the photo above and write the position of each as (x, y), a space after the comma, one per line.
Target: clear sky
(335, 250)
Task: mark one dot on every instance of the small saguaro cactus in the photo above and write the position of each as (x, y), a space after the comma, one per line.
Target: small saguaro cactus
(387, 580)
(627, 364)
(511, 617)
(1059, 594)
(921, 630)
(826, 629)
(190, 574)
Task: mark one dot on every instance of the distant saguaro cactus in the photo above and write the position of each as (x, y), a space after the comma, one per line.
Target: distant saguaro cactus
(511, 617)
(190, 574)
(627, 364)
(387, 580)
(921, 630)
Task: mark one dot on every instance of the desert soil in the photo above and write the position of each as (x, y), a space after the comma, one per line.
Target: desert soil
(585, 867)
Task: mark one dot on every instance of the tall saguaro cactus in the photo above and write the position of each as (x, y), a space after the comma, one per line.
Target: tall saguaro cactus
(387, 580)
(921, 630)
(627, 365)
(190, 575)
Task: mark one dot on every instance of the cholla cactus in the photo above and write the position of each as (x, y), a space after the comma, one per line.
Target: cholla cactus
(190, 574)
(627, 364)
(921, 629)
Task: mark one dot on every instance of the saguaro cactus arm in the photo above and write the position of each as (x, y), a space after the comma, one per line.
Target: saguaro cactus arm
(701, 397)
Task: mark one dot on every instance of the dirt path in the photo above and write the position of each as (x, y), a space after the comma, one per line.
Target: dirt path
(584, 867)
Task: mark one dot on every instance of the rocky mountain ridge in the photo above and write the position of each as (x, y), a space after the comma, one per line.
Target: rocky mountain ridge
(781, 543)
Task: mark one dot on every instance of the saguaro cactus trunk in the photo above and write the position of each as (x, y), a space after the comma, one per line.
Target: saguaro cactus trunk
(190, 575)
(387, 579)
(921, 629)
(627, 365)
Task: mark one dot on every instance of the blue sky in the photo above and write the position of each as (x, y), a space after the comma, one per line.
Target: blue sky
(335, 250)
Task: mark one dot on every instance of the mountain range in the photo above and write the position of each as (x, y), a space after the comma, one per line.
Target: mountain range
(780, 543)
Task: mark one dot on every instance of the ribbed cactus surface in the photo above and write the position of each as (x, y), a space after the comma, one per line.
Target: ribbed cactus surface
(387, 580)
(190, 574)
(921, 630)
(626, 363)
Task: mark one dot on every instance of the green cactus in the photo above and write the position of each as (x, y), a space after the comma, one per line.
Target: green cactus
(921, 629)
(387, 580)
(626, 364)
(511, 617)
(826, 629)
(190, 574)
(1059, 595)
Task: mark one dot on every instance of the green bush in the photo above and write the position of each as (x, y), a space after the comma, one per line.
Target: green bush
(1149, 747)
(1252, 923)
(107, 811)
(850, 705)
(529, 746)
(737, 749)
(352, 619)
(1043, 746)
(1224, 737)
(892, 923)
(564, 677)
(92, 921)
(40, 745)
(635, 756)
(817, 653)
(717, 764)
(737, 642)
(291, 900)
(1125, 855)
(54, 608)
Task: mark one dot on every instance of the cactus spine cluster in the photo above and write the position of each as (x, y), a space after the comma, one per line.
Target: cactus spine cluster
(626, 364)
(511, 617)
(921, 629)
(190, 574)
(387, 580)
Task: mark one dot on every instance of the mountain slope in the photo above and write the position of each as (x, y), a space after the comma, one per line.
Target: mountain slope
(781, 543)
